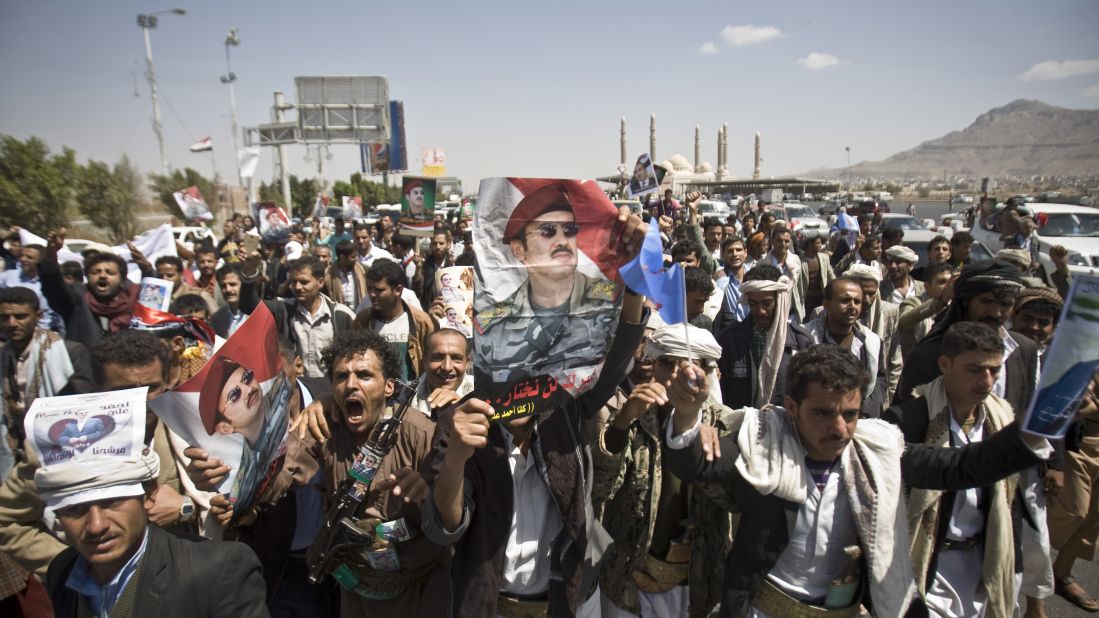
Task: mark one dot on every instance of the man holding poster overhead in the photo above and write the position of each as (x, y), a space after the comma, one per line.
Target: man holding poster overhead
(514, 496)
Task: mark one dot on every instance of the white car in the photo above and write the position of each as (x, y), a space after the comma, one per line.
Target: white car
(804, 220)
(1076, 228)
(712, 209)
(917, 229)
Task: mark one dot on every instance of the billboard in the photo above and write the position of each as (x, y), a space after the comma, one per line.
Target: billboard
(334, 109)
(398, 145)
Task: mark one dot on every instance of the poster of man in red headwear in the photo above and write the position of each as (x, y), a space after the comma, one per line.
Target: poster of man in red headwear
(548, 297)
(236, 409)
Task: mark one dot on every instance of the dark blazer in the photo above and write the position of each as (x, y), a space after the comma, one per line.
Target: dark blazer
(181, 577)
(913, 418)
(739, 365)
(922, 366)
(558, 444)
(766, 521)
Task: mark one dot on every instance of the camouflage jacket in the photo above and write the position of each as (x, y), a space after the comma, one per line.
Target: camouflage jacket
(625, 493)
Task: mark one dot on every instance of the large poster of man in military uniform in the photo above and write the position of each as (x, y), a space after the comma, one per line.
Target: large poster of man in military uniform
(548, 291)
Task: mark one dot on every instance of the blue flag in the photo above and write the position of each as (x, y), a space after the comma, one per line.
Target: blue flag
(645, 274)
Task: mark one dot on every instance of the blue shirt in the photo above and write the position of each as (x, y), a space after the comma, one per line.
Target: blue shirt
(732, 299)
(102, 599)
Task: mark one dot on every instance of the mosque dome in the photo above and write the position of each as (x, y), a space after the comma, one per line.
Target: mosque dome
(704, 167)
(680, 163)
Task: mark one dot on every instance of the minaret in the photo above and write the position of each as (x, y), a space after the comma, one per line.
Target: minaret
(724, 167)
(717, 172)
(698, 147)
(622, 142)
(756, 172)
(652, 137)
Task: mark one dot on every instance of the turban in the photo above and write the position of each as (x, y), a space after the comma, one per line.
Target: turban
(1017, 257)
(901, 252)
(776, 334)
(1030, 295)
(671, 340)
(96, 478)
(864, 272)
(976, 279)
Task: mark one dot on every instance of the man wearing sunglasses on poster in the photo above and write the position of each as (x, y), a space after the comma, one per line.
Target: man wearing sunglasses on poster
(565, 309)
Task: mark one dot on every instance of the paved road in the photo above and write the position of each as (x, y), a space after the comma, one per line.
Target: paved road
(1088, 574)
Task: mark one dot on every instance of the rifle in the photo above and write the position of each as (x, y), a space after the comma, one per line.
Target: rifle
(340, 532)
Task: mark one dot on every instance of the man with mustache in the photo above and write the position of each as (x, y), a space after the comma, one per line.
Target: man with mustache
(964, 544)
(839, 324)
(567, 310)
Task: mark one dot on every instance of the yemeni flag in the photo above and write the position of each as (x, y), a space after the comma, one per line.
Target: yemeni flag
(202, 145)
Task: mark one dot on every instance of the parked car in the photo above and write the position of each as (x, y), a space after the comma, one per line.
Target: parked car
(979, 251)
(634, 205)
(803, 219)
(711, 209)
(1076, 228)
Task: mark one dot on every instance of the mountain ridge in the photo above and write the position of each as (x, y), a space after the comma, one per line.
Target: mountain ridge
(1022, 138)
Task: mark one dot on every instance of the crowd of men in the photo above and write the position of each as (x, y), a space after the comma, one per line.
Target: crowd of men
(836, 431)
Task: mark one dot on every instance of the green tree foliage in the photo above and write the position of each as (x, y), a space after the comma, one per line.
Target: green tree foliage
(164, 186)
(923, 191)
(109, 197)
(36, 188)
(303, 193)
(894, 188)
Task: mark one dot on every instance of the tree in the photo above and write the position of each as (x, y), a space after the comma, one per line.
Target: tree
(924, 191)
(164, 186)
(109, 197)
(36, 188)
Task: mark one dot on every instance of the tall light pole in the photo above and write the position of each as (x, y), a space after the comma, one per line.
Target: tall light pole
(147, 21)
(233, 40)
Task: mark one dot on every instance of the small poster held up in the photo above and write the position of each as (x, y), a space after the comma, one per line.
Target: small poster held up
(454, 285)
(644, 179)
(155, 293)
(352, 207)
(236, 409)
(192, 205)
(1069, 364)
(548, 296)
(72, 428)
(417, 205)
(273, 222)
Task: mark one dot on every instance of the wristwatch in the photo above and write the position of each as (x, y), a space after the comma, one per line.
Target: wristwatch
(187, 509)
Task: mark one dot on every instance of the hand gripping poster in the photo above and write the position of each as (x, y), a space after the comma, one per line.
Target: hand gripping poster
(548, 292)
(1069, 364)
(236, 408)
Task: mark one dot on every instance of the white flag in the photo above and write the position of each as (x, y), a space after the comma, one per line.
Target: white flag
(202, 144)
(248, 159)
(152, 244)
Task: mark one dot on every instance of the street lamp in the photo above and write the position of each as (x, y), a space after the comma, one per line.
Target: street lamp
(147, 21)
(233, 40)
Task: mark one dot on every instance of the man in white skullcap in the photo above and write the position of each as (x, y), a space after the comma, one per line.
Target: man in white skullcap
(899, 285)
(656, 552)
(99, 479)
(880, 316)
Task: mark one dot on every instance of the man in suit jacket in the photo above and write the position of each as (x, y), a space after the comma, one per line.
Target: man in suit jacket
(119, 565)
(815, 483)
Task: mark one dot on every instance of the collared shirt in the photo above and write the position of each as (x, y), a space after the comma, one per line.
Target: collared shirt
(348, 283)
(899, 298)
(423, 391)
(102, 599)
(535, 523)
(856, 344)
(236, 319)
(375, 253)
(1010, 345)
(967, 519)
(313, 333)
(732, 299)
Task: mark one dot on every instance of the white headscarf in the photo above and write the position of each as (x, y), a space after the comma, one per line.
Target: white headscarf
(672, 340)
(776, 335)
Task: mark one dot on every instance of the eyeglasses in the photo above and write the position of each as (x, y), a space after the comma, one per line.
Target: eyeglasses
(246, 379)
(549, 230)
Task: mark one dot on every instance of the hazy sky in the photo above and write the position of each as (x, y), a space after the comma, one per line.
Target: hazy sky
(536, 89)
